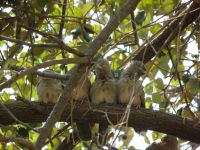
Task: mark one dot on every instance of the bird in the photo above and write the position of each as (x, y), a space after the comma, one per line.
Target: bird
(168, 142)
(80, 94)
(49, 89)
(81, 91)
(103, 90)
(130, 87)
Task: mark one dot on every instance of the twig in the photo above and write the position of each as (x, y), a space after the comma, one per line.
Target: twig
(18, 140)
(62, 22)
(60, 43)
(47, 45)
(58, 133)
(165, 37)
(40, 73)
(43, 65)
(179, 80)
(134, 28)
(69, 144)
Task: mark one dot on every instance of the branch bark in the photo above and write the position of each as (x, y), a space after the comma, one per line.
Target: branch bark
(145, 118)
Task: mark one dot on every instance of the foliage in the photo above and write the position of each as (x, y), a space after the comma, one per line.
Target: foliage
(172, 82)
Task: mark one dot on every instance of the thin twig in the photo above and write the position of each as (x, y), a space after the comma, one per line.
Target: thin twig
(60, 43)
(134, 28)
(18, 140)
(19, 75)
(40, 73)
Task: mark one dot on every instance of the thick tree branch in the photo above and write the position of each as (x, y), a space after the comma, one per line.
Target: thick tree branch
(147, 119)
(169, 33)
(93, 48)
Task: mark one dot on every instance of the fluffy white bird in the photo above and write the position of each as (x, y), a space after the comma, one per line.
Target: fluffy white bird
(48, 89)
(104, 88)
(130, 87)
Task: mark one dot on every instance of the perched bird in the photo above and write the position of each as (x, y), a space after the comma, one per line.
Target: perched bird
(130, 87)
(81, 93)
(103, 90)
(168, 142)
(48, 89)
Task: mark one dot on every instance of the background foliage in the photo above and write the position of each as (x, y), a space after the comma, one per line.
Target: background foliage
(172, 83)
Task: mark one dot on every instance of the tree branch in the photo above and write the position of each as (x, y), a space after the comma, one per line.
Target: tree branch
(78, 71)
(17, 140)
(43, 65)
(60, 44)
(39, 73)
(145, 118)
(169, 33)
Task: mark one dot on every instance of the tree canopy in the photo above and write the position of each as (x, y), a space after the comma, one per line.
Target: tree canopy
(70, 35)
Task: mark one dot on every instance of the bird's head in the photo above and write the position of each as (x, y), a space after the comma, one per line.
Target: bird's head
(102, 69)
(135, 68)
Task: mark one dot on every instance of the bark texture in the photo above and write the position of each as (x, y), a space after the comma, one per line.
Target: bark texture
(145, 118)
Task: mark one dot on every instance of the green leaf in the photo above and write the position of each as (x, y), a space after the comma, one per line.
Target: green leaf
(163, 105)
(164, 66)
(5, 96)
(86, 36)
(10, 61)
(159, 84)
(146, 139)
(185, 78)
(193, 85)
(140, 17)
(147, 102)
(149, 88)
(42, 3)
(155, 28)
(23, 132)
(156, 98)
